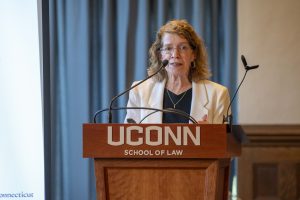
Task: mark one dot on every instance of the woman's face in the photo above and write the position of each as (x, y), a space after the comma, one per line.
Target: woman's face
(178, 52)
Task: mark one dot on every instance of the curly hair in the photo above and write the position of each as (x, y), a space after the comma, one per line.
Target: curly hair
(199, 69)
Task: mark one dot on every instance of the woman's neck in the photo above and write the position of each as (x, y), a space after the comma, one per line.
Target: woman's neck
(178, 84)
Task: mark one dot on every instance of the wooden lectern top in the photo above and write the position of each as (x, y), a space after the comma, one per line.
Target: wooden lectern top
(159, 141)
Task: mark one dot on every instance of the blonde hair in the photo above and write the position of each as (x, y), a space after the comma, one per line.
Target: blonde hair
(199, 69)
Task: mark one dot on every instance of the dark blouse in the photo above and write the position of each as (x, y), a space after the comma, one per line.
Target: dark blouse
(183, 102)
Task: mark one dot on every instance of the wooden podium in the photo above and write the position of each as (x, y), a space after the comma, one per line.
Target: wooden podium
(160, 161)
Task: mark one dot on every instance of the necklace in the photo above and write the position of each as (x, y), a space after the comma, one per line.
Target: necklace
(174, 104)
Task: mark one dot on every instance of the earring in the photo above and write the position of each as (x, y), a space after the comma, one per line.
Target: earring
(193, 65)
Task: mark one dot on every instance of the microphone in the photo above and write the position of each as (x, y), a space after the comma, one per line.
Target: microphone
(228, 118)
(246, 66)
(164, 64)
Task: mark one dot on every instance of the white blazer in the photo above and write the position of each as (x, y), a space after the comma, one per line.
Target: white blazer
(208, 98)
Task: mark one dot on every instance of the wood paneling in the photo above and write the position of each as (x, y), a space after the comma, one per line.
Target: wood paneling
(269, 165)
(123, 183)
(265, 177)
(160, 179)
(272, 135)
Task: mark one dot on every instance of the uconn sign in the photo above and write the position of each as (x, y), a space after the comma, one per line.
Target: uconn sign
(153, 135)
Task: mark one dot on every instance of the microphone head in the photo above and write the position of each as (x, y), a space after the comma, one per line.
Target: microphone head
(244, 61)
(251, 67)
(165, 63)
(246, 65)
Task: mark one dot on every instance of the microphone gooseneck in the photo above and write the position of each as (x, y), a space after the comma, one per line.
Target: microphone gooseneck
(173, 111)
(167, 110)
(228, 118)
(163, 65)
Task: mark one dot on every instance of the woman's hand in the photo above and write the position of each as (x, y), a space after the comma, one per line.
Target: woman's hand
(203, 120)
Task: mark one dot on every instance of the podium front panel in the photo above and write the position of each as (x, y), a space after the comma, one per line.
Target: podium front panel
(162, 179)
(158, 141)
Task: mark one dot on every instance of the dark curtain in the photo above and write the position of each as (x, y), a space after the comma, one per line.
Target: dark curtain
(95, 49)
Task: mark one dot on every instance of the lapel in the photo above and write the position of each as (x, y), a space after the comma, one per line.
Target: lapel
(156, 101)
(199, 101)
(198, 104)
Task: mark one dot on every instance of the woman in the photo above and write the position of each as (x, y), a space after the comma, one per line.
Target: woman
(183, 83)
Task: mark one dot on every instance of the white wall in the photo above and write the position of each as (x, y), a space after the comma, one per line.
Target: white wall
(21, 131)
(269, 35)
